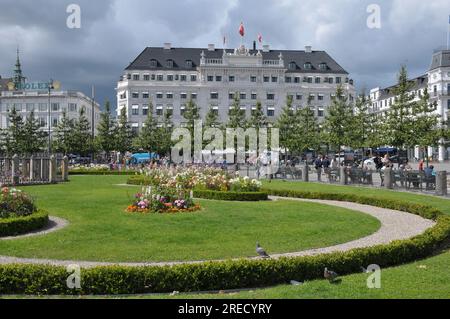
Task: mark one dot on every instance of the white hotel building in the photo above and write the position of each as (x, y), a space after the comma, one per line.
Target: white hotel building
(169, 77)
(437, 81)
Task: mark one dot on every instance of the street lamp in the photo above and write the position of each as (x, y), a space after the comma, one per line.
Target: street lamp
(50, 87)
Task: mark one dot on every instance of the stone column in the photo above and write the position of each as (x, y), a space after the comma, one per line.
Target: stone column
(343, 178)
(25, 171)
(388, 178)
(305, 173)
(65, 169)
(15, 178)
(32, 168)
(441, 183)
(442, 151)
(52, 169)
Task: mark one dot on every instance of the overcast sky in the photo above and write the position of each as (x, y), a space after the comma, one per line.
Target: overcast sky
(114, 32)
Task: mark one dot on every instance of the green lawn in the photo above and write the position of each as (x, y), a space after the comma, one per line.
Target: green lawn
(100, 230)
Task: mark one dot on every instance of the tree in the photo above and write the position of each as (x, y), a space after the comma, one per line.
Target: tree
(362, 123)
(258, 119)
(236, 116)
(211, 118)
(286, 123)
(123, 133)
(148, 137)
(63, 135)
(399, 127)
(338, 122)
(105, 130)
(191, 114)
(13, 135)
(33, 138)
(81, 135)
(306, 130)
(164, 135)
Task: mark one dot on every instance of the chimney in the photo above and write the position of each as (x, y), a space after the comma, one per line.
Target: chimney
(308, 49)
(254, 45)
(211, 47)
(167, 46)
(266, 48)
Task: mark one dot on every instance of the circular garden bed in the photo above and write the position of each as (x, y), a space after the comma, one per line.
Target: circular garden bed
(14, 226)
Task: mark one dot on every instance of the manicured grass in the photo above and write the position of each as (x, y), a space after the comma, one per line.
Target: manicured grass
(100, 230)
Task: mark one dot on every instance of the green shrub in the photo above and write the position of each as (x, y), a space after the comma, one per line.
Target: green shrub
(138, 180)
(100, 172)
(231, 196)
(233, 274)
(20, 225)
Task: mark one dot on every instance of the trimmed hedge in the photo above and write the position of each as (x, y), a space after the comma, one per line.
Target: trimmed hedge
(118, 173)
(20, 225)
(138, 180)
(231, 196)
(233, 274)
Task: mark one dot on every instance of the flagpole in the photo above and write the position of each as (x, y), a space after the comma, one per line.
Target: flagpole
(448, 31)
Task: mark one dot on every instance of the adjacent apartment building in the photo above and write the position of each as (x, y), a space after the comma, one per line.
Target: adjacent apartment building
(437, 81)
(48, 105)
(169, 77)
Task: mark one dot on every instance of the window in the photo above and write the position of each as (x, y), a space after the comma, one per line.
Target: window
(189, 64)
(135, 77)
(266, 79)
(320, 112)
(307, 66)
(210, 78)
(169, 63)
(243, 96)
(448, 104)
(183, 96)
(215, 110)
(231, 95)
(231, 78)
(323, 66)
(153, 63)
(271, 111)
(146, 77)
(330, 80)
(135, 95)
(145, 109)
(292, 65)
(160, 77)
(253, 79)
(218, 78)
(169, 110)
(42, 121)
(183, 78)
(135, 129)
(30, 107)
(169, 95)
(193, 78)
(72, 107)
(214, 95)
(312, 97)
(297, 79)
(254, 96)
(135, 110)
(170, 77)
(274, 79)
(42, 107)
(159, 95)
(194, 96)
(153, 77)
(145, 95)
(159, 110)
(317, 80)
(55, 107)
(298, 97)
(288, 79)
(270, 96)
(338, 80)
(182, 109)
(320, 97)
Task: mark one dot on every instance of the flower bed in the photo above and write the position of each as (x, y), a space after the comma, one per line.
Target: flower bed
(18, 213)
(162, 200)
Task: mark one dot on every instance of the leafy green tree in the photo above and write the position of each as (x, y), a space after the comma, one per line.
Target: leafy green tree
(164, 134)
(148, 137)
(399, 123)
(13, 135)
(306, 130)
(338, 122)
(63, 135)
(105, 130)
(81, 135)
(123, 133)
(258, 119)
(236, 116)
(211, 118)
(286, 123)
(33, 138)
(362, 123)
(191, 114)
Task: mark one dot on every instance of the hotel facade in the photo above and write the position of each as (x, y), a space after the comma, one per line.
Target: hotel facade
(169, 77)
(437, 82)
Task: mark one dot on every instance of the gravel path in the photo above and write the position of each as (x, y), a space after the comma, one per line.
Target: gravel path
(395, 225)
(54, 224)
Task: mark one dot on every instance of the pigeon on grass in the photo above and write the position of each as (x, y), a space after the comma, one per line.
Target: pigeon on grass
(261, 252)
(330, 275)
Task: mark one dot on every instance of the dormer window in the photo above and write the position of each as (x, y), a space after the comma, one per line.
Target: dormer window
(323, 66)
(189, 64)
(292, 66)
(169, 63)
(307, 66)
(153, 63)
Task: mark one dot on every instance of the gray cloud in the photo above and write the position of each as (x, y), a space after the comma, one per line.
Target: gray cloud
(114, 32)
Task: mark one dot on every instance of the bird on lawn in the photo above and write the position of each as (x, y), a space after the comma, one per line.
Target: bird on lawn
(260, 251)
(329, 275)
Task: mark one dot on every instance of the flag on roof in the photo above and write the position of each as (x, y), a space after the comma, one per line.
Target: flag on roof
(241, 29)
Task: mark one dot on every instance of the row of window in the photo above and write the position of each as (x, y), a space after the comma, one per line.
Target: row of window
(160, 77)
(231, 96)
(39, 107)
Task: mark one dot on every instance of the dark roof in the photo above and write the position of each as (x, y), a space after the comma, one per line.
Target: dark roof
(3, 83)
(440, 59)
(420, 82)
(179, 56)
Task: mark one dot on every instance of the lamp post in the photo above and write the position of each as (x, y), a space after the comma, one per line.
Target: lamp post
(50, 87)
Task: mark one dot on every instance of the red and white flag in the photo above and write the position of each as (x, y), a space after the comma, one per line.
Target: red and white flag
(260, 38)
(241, 30)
